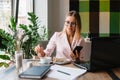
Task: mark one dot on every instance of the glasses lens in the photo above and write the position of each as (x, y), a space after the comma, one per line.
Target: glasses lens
(70, 23)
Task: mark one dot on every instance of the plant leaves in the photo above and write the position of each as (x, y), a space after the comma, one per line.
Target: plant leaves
(4, 64)
(4, 57)
(13, 24)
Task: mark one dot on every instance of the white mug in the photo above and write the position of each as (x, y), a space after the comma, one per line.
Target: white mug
(45, 60)
(29, 64)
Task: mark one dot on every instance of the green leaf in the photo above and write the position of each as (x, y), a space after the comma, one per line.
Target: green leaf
(4, 64)
(4, 57)
(5, 35)
(13, 24)
(24, 27)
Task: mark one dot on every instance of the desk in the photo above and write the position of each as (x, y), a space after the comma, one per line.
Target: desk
(10, 74)
(101, 75)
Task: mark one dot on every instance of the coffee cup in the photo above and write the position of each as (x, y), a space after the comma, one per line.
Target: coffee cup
(45, 60)
(29, 64)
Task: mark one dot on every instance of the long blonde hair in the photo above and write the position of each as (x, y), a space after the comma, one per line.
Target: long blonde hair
(78, 24)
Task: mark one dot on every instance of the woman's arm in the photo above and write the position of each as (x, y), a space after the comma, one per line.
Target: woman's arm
(49, 49)
(51, 45)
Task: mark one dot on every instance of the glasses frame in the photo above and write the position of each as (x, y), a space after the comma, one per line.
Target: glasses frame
(72, 24)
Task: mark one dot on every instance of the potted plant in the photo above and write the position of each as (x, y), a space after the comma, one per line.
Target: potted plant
(24, 37)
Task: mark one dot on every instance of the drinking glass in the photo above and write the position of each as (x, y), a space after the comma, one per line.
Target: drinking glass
(18, 60)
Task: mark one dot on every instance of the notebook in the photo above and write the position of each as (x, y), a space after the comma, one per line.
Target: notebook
(105, 54)
(65, 73)
(35, 72)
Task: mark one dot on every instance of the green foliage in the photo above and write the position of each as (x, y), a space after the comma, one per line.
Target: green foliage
(4, 57)
(10, 40)
(33, 36)
(29, 39)
(13, 24)
(4, 64)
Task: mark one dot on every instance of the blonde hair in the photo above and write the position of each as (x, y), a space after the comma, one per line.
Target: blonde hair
(78, 24)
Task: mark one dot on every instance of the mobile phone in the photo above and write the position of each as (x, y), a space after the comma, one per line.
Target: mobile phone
(78, 48)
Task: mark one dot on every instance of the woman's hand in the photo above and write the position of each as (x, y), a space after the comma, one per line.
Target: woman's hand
(74, 56)
(39, 51)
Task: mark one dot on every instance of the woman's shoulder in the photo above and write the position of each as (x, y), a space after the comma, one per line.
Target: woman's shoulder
(81, 37)
(58, 33)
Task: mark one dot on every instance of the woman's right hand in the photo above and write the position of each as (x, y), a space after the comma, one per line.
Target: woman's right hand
(74, 56)
(39, 51)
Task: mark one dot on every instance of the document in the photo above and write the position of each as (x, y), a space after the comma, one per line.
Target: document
(65, 73)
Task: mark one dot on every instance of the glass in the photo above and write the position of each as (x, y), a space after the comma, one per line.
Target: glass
(18, 60)
(67, 23)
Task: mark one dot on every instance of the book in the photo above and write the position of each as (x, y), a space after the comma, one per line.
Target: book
(65, 73)
(35, 72)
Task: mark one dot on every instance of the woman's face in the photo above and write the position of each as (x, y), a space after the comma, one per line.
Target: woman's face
(70, 24)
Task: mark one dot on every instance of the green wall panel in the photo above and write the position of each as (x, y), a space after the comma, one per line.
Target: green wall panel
(99, 16)
(104, 6)
(85, 21)
(114, 22)
(84, 6)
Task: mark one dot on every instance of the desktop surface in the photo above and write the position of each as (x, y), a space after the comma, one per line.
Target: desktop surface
(10, 74)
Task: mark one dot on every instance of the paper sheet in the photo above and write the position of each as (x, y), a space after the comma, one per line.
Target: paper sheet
(73, 73)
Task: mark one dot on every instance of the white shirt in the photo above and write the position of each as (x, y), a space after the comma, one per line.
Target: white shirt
(60, 42)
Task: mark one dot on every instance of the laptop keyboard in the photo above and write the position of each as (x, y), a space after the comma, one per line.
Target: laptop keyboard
(85, 66)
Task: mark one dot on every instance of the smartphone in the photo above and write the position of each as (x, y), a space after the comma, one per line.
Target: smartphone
(78, 48)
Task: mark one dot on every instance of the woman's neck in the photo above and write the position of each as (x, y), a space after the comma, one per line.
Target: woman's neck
(70, 34)
(70, 38)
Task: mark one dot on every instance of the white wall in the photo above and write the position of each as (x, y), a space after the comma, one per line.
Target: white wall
(52, 13)
(57, 10)
(41, 11)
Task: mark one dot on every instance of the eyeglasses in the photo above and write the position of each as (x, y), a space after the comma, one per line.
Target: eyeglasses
(67, 23)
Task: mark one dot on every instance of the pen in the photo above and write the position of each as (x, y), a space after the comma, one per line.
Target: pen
(63, 72)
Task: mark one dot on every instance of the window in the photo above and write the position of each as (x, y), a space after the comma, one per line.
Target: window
(25, 6)
(8, 8)
(5, 13)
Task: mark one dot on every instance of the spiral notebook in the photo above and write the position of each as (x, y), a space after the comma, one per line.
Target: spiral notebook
(35, 72)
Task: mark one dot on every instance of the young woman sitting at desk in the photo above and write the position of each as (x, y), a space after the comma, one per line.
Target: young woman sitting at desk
(66, 40)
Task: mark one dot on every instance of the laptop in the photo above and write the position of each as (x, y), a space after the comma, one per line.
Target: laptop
(105, 54)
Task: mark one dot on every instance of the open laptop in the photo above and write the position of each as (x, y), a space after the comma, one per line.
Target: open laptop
(105, 54)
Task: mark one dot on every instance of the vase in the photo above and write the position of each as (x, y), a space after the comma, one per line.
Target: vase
(18, 60)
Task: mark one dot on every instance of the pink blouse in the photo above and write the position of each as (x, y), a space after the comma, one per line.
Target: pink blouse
(60, 42)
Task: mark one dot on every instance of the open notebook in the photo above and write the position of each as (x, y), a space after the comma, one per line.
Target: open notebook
(65, 73)
(35, 72)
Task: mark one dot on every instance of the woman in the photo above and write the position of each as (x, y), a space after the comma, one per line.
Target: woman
(66, 40)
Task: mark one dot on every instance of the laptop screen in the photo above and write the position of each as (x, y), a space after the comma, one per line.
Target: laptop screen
(105, 52)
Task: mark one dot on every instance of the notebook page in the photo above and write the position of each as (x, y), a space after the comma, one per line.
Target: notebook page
(65, 73)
